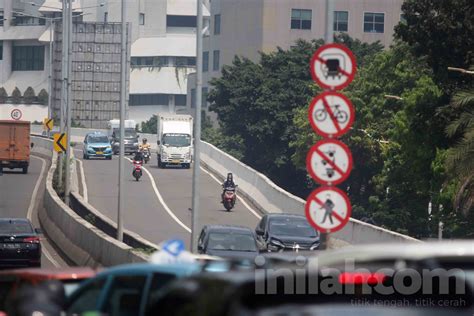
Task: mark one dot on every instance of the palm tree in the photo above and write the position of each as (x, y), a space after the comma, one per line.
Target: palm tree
(460, 159)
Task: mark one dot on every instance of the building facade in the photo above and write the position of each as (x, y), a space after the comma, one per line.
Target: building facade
(247, 27)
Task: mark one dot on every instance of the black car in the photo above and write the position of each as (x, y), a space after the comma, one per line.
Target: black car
(19, 243)
(283, 232)
(228, 241)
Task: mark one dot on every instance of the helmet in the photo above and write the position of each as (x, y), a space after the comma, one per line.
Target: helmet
(144, 140)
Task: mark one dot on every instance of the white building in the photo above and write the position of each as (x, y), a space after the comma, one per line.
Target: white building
(163, 47)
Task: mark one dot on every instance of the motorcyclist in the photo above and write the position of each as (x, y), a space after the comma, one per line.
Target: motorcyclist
(228, 184)
(145, 145)
(138, 156)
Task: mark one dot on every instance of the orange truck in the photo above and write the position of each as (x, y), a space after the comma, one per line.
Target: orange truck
(15, 145)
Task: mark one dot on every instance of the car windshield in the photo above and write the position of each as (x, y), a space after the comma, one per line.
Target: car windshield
(231, 242)
(15, 227)
(290, 226)
(98, 139)
(129, 133)
(176, 140)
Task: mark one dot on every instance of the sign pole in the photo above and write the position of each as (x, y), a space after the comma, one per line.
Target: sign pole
(197, 131)
(67, 178)
(50, 76)
(62, 106)
(328, 38)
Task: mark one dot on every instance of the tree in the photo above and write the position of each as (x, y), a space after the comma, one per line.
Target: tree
(29, 96)
(441, 32)
(3, 95)
(16, 96)
(460, 158)
(43, 97)
(150, 126)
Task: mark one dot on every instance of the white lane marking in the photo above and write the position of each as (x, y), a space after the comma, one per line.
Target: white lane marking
(32, 206)
(85, 193)
(240, 199)
(162, 201)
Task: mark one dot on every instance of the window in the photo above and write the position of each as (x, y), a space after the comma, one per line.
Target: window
(180, 99)
(205, 61)
(149, 99)
(1, 19)
(217, 24)
(185, 61)
(204, 97)
(159, 280)
(106, 17)
(1, 50)
(141, 19)
(403, 19)
(88, 298)
(193, 98)
(163, 61)
(125, 295)
(28, 20)
(28, 58)
(180, 21)
(374, 22)
(341, 19)
(215, 60)
(301, 19)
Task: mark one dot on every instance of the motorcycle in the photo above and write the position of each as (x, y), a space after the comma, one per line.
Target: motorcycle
(146, 155)
(137, 170)
(228, 198)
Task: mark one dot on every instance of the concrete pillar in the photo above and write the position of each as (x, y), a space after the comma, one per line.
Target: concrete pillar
(6, 63)
(171, 104)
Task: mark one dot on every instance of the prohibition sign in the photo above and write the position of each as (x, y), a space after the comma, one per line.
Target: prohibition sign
(329, 162)
(333, 66)
(331, 114)
(328, 209)
(16, 114)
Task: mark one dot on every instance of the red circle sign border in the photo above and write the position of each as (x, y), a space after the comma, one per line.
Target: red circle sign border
(351, 75)
(21, 114)
(308, 214)
(313, 149)
(315, 126)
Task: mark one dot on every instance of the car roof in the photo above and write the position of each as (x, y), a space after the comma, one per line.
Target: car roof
(142, 268)
(96, 134)
(219, 228)
(17, 220)
(69, 273)
(398, 251)
(275, 215)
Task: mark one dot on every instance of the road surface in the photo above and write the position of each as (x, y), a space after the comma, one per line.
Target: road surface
(22, 194)
(158, 207)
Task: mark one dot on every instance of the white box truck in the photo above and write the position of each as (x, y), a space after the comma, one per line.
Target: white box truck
(131, 137)
(175, 140)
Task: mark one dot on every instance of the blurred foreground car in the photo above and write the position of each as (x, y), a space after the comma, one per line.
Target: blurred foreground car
(286, 232)
(19, 243)
(11, 280)
(227, 241)
(434, 282)
(126, 289)
(97, 145)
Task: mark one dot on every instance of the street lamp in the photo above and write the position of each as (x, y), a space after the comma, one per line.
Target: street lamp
(60, 9)
(461, 70)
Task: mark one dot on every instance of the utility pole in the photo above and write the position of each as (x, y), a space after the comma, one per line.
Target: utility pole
(50, 78)
(63, 86)
(328, 38)
(197, 131)
(67, 178)
(123, 95)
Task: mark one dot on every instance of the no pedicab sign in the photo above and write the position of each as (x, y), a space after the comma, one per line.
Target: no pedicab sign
(331, 114)
(328, 209)
(329, 162)
(333, 66)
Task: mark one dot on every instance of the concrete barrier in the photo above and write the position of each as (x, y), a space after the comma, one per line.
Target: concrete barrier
(269, 198)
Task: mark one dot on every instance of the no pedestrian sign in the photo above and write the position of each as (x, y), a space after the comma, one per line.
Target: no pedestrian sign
(329, 162)
(333, 66)
(328, 209)
(331, 114)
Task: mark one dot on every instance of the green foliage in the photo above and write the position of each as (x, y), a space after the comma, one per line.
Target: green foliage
(16, 96)
(29, 96)
(3, 95)
(150, 126)
(43, 97)
(441, 32)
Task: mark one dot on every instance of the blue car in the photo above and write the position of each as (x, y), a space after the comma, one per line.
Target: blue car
(126, 289)
(97, 145)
